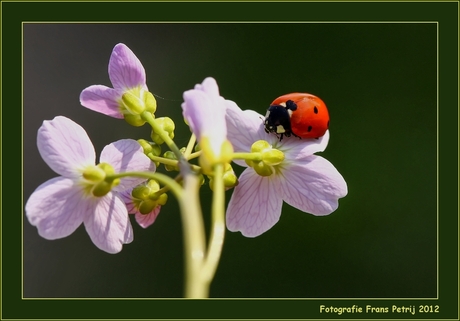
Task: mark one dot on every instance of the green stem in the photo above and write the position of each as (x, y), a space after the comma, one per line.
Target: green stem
(163, 160)
(194, 239)
(218, 226)
(194, 155)
(163, 179)
(190, 145)
(248, 156)
(148, 117)
(171, 162)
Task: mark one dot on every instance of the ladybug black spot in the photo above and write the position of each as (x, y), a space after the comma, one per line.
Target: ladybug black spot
(315, 110)
(309, 129)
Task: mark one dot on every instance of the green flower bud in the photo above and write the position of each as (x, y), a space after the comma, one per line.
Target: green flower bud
(150, 102)
(260, 146)
(134, 120)
(153, 186)
(145, 207)
(230, 179)
(262, 169)
(272, 157)
(107, 168)
(132, 102)
(104, 187)
(162, 199)
(140, 192)
(94, 174)
(150, 147)
(167, 125)
(146, 196)
(170, 155)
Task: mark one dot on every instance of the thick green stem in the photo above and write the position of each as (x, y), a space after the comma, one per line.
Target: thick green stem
(218, 226)
(194, 238)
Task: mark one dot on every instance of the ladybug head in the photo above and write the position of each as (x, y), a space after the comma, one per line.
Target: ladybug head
(278, 119)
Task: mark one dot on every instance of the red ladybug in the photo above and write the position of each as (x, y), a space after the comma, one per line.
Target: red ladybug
(299, 114)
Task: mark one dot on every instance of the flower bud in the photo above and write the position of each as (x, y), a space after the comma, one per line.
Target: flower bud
(230, 179)
(150, 102)
(272, 157)
(162, 199)
(134, 120)
(104, 187)
(94, 174)
(170, 155)
(146, 196)
(140, 192)
(132, 102)
(260, 146)
(262, 169)
(167, 125)
(150, 147)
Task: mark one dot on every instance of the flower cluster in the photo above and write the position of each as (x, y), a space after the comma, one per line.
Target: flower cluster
(126, 179)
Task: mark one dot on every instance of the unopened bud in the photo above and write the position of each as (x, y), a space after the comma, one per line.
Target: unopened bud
(272, 157)
(166, 124)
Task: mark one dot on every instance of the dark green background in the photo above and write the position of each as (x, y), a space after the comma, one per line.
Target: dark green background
(379, 81)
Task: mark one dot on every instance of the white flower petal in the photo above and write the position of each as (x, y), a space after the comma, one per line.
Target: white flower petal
(255, 205)
(102, 99)
(145, 220)
(313, 185)
(65, 146)
(109, 226)
(125, 69)
(204, 110)
(296, 149)
(245, 127)
(126, 155)
(57, 208)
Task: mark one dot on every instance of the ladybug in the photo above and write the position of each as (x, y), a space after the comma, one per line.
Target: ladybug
(298, 114)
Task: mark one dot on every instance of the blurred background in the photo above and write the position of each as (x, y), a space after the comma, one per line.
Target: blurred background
(379, 82)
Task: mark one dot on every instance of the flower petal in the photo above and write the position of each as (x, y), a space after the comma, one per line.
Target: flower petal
(296, 149)
(127, 155)
(145, 220)
(313, 186)
(109, 226)
(244, 127)
(204, 110)
(102, 99)
(125, 69)
(255, 205)
(65, 146)
(57, 207)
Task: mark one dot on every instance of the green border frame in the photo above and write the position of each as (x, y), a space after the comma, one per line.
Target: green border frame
(14, 13)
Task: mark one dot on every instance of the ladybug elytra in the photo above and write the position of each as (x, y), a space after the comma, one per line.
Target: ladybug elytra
(298, 114)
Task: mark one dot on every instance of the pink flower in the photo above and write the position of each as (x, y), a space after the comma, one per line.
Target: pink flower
(81, 194)
(305, 181)
(204, 110)
(129, 95)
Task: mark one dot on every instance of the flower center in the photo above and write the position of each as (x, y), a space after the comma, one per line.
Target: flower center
(269, 158)
(96, 180)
